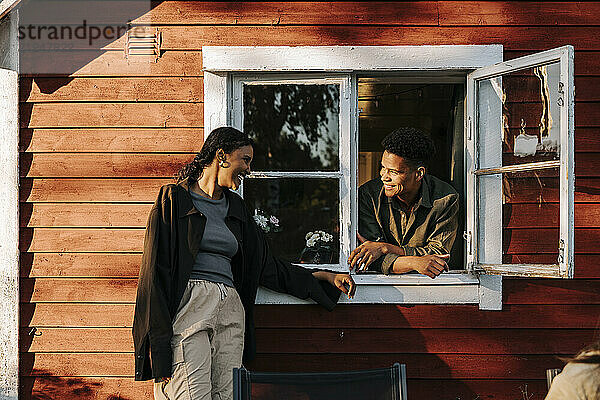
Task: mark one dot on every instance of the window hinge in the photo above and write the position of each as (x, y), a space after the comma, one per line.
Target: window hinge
(469, 128)
(561, 251)
(475, 269)
(560, 101)
(467, 237)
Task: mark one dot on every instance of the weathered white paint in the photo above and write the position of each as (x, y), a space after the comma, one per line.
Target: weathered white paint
(354, 113)
(567, 164)
(525, 62)
(531, 270)
(518, 168)
(421, 61)
(490, 292)
(448, 288)
(488, 136)
(470, 177)
(394, 294)
(412, 279)
(6, 6)
(215, 101)
(484, 193)
(349, 58)
(9, 43)
(9, 209)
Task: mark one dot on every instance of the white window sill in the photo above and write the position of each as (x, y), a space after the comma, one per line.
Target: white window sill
(410, 279)
(448, 288)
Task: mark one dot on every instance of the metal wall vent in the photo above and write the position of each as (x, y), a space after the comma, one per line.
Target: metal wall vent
(140, 42)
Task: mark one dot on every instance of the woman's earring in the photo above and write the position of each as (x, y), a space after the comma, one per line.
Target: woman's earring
(223, 163)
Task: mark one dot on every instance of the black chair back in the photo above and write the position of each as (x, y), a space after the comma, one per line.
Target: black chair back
(374, 384)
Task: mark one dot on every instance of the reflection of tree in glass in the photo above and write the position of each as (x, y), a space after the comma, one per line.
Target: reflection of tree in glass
(295, 127)
(302, 205)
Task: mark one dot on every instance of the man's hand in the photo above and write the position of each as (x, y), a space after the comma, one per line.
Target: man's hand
(362, 256)
(369, 251)
(430, 265)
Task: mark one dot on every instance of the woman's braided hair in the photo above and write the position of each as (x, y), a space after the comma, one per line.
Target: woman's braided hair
(226, 138)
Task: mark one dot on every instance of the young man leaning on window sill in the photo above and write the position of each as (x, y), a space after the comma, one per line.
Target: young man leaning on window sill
(408, 219)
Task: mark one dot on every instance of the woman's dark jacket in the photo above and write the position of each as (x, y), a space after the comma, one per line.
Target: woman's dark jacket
(172, 240)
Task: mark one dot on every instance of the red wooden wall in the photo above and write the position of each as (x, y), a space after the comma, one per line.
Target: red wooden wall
(97, 143)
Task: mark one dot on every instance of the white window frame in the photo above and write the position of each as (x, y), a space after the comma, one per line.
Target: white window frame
(490, 211)
(9, 202)
(345, 174)
(222, 63)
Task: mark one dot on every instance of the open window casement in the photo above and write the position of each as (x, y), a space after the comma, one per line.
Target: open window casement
(520, 166)
(300, 185)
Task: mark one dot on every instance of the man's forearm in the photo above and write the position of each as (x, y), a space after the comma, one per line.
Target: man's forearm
(430, 265)
(403, 264)
(429, 248)
(393, 249)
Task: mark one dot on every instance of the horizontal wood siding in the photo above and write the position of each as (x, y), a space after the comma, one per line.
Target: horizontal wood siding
(97, 143)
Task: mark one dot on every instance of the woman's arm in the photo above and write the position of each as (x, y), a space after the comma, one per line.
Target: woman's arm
(344, 282)
(273, 273)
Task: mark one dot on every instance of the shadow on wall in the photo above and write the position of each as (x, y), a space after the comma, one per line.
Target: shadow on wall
(308, 338)
(53, 388)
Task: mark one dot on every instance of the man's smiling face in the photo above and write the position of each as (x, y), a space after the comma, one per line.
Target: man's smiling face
(398, 177)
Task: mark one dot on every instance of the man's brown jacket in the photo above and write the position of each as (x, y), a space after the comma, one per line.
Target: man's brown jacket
(430, 228)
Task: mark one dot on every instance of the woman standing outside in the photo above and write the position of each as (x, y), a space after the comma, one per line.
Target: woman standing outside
(204, 258)
(580, 379)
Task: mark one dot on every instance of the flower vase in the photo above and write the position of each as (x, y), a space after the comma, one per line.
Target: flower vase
(316, 255)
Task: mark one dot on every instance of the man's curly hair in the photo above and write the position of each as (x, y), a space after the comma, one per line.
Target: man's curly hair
(413, 145)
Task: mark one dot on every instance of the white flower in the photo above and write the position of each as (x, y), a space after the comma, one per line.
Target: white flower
(267, 223)
(261, 221)
(311, 242)
(317, 237)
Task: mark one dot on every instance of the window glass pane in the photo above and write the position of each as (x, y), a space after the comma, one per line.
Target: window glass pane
(301, 205)
(528, 127)
(295, 127)
(529, 217)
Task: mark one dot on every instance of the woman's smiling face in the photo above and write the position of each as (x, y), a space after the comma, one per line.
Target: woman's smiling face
(238, 166)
